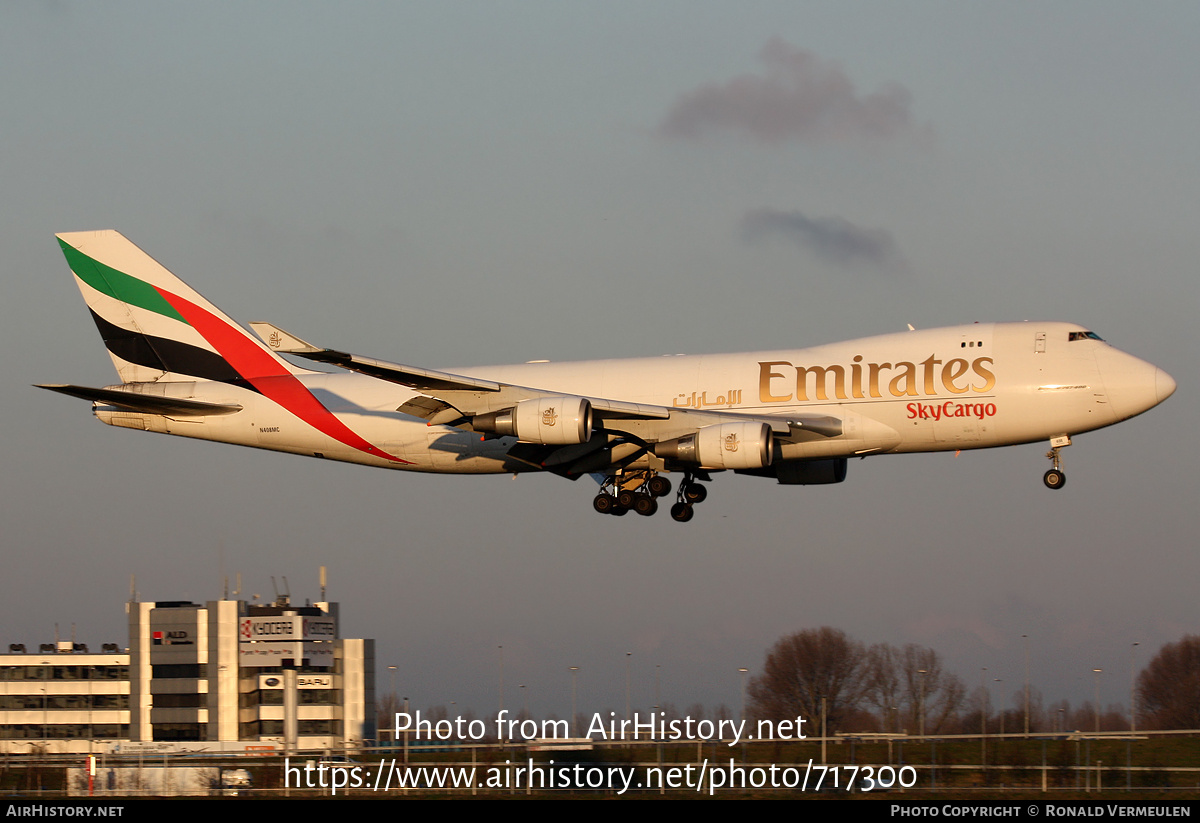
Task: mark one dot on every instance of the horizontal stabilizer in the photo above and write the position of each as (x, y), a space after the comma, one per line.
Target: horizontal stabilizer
(146, 403)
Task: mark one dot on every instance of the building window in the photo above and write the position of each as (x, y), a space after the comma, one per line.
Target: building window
(178, 701)
(178, 731)
(191, 671)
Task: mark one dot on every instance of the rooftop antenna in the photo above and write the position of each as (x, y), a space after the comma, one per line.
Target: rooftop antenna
(284, 599)
(133, 588)
(323, 584)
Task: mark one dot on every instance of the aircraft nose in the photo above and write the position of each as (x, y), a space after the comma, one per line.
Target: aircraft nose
(1133, 385)
(1164, 385)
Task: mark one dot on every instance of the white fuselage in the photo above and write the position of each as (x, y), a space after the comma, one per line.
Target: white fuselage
(964, 387)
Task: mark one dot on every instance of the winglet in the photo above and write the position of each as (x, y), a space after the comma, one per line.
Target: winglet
(281, 341)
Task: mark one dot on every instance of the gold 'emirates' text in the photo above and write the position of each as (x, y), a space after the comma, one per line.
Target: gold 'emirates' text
(903, 379)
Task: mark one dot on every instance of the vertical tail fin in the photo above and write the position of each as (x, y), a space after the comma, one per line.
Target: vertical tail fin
(155, 326)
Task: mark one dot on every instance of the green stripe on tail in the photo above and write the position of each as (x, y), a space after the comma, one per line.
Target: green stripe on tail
(117, 284)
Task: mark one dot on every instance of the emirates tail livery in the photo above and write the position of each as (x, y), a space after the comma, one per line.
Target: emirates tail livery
(796, 416)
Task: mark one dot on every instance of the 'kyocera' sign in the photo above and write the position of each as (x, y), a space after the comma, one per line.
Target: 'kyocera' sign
(288, 628)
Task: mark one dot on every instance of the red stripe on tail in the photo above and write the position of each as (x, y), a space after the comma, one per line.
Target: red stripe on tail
(263, 372)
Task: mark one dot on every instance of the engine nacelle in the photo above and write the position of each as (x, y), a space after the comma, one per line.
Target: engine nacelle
(554, 420)
(811, 472)
(723, 446)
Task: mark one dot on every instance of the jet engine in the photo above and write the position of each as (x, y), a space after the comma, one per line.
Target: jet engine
(554, 420)
(747, 445)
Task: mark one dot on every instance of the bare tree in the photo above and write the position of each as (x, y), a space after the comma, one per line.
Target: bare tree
(910, 688)
(1169, 687)
(883, 689)
(1038, 718)
(934, 694)
(804, 668)
(385, 714)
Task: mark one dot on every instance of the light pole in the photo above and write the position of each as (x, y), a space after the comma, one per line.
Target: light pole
(923, 673)
(1132, 691)
(658, 752)
(1025, 637)
(998, 680)
(628, 715)
(743, 670)
(1098, 672)
(407, 734)
(657, 686)
(1132, 721)
(393, 701)
(983, 707)
(574, 672)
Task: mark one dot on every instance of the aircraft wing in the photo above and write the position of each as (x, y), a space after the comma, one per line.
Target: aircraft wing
(411, 376)
(453, 399)
(468, 395)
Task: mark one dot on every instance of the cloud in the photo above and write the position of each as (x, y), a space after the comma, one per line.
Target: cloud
(800, 97)
(834, 239)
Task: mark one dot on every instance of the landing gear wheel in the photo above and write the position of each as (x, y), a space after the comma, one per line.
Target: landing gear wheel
(645, 505)
(604, 503)
(1054, 479)
(659, 486)
(625, 498)
(682, 512)
(620, 511)
(695, 493)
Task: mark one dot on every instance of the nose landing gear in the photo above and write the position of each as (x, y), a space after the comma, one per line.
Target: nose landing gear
(1056, 478)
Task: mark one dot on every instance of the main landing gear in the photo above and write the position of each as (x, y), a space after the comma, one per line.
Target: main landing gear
(1056, 478)
(640, 490)
(690, 493)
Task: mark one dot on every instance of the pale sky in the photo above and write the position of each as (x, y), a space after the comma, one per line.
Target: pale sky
(480, 183)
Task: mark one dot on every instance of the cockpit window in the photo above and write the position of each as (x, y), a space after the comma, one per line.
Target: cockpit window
(1085, 335)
